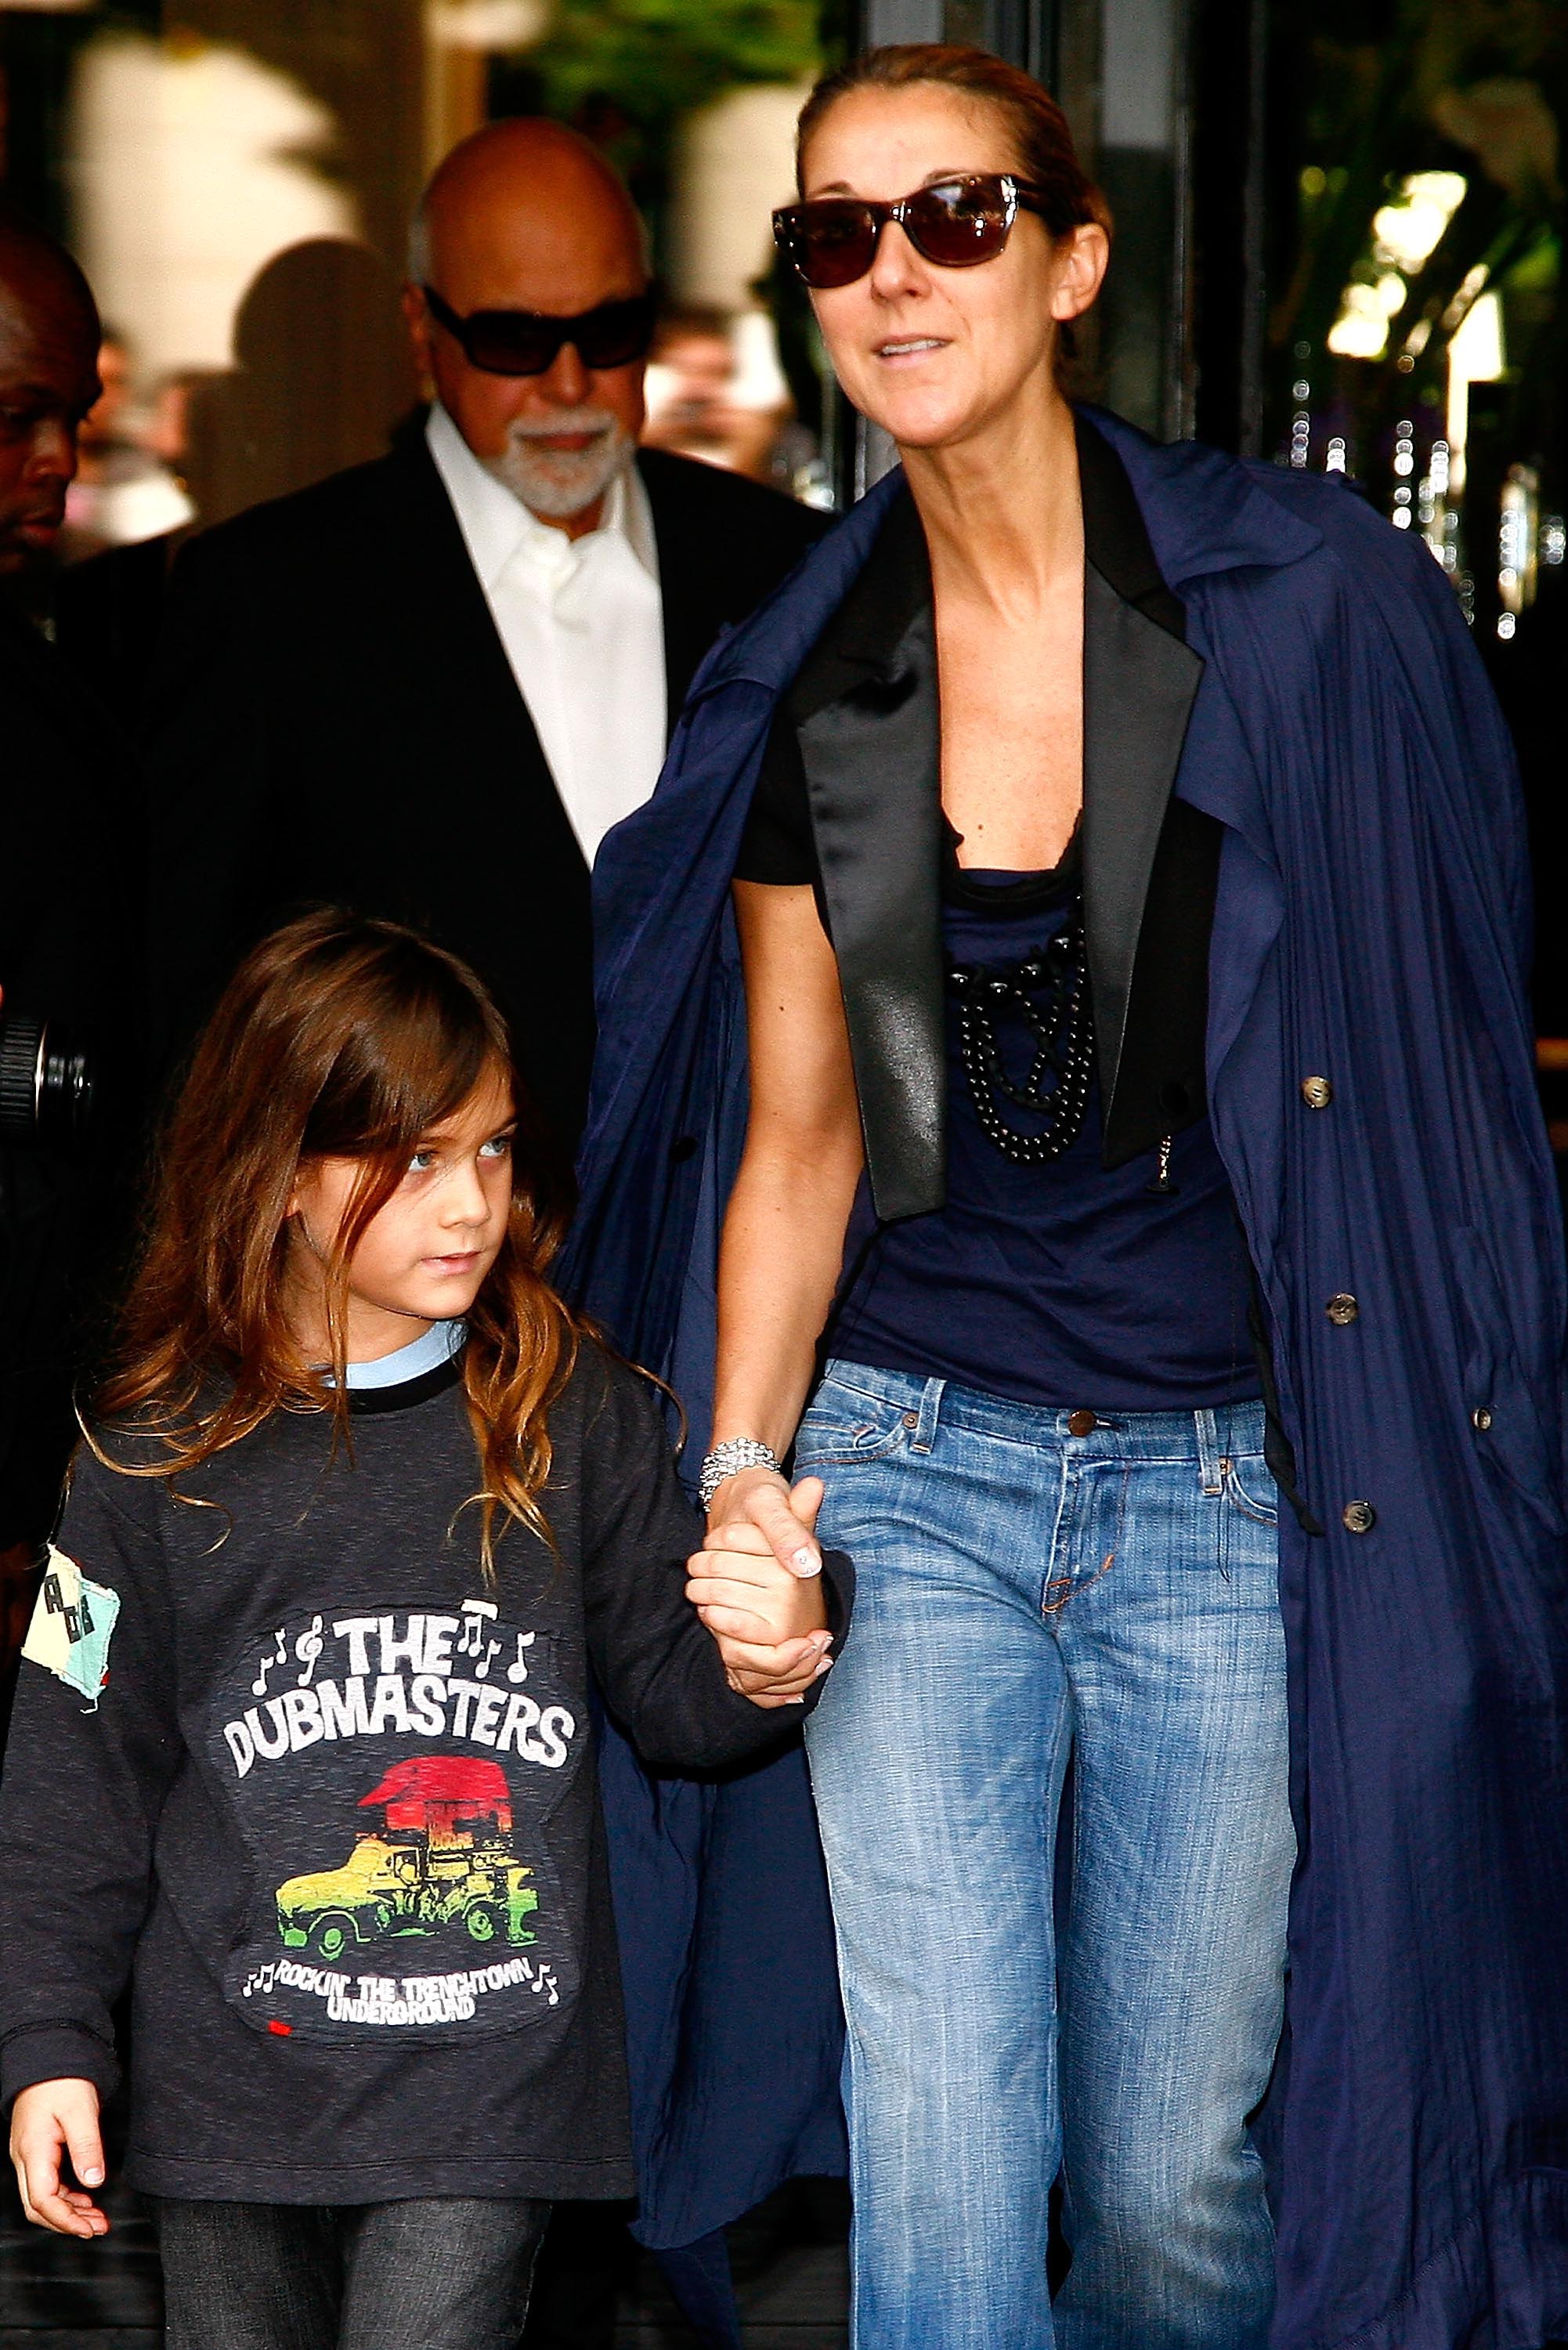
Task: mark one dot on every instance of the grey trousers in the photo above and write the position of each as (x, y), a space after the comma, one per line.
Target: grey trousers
(451, 2274)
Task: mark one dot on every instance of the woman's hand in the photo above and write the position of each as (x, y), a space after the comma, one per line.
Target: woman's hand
(788, 1519)
(52, 2118)
(769, 1619)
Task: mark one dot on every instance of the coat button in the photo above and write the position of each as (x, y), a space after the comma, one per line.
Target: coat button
(1481, 1417)
(1360, 1517)
(1316, 1092)
(1342, 1309)
(1081, 1423)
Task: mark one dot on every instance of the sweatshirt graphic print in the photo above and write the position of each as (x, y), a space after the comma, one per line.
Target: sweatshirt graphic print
(394, 1776)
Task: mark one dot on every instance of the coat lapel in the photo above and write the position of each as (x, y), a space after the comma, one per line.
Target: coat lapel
(871, 769)
(1139, 685)
(1140, 681)
(865, 718)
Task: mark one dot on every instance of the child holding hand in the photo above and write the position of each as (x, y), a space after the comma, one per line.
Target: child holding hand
(303, 1744)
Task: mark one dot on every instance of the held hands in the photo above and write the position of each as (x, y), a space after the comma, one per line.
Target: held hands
(757, 1586)
(52, 2118)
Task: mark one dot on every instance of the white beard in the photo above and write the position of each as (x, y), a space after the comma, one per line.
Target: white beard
(557, 483)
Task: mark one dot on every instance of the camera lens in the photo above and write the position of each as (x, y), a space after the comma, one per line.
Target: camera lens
(46, 1083)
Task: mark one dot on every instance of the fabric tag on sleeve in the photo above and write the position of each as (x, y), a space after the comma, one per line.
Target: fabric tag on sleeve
(72, 1626)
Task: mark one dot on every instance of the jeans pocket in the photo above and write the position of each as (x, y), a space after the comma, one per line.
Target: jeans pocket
(843, 1425)
(1249, 1487)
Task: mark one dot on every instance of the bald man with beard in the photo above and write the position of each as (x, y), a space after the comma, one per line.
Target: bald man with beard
(69, 936)
(427, 686)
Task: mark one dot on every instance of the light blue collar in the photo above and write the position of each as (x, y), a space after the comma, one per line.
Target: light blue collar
(440, 1343)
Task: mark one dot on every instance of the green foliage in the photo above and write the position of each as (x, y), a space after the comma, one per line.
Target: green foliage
(653, 60)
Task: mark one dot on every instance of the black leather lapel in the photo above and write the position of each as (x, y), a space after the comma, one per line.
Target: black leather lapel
(872, 761)
(1161, 1084)
(1139, 683)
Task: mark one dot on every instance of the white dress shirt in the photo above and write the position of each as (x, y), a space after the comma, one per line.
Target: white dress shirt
(582, 621)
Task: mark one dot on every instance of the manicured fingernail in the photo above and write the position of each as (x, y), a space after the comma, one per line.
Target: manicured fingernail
(806, 1562)
(826, 1666)
(794, 1701)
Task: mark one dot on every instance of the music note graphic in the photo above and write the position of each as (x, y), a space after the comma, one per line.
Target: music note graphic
(270, 1665)
(519, 1670)
(308, 1649)
(475, 1614)
(481, 1670)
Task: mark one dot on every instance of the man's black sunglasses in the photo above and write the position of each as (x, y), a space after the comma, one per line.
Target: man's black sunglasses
(526, 342)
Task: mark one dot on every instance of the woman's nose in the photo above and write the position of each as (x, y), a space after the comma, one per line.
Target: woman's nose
(896, 267)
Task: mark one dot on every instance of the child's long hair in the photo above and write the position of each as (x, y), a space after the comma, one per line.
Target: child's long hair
(343, 1037)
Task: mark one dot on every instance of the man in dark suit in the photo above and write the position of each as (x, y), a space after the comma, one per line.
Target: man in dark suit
(427, 686)
(68, 947)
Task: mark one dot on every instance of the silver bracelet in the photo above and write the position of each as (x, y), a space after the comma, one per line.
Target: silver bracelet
(729, 1460)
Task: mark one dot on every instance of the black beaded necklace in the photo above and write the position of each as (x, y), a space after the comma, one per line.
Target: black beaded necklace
(1050, 992)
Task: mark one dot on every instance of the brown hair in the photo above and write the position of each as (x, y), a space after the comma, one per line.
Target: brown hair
(343, 1037)
(1046, 155)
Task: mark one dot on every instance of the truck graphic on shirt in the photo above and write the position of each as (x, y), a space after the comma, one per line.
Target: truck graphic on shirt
(440, 1855)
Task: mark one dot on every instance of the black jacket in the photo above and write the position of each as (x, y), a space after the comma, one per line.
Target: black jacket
(335, 718)
(69, 956)
(861, 719)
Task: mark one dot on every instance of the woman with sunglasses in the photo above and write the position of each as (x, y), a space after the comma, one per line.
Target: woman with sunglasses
(1039, 1424)
(1140, 1092)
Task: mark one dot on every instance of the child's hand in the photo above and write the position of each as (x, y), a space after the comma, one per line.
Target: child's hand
(770, 1623)
(50, 2118)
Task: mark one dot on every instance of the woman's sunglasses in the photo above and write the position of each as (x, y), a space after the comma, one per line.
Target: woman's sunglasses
(833, 240)
(526, 342)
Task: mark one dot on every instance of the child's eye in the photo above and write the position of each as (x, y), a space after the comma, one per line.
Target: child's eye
(421, 1162)
(498, 1147)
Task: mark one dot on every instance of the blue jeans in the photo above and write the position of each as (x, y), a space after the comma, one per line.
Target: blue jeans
(1024, 1594)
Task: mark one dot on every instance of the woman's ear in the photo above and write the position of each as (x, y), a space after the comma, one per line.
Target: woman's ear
(1083, 256)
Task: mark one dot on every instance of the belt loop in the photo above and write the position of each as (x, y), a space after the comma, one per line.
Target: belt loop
(925, 1434)
(1209, 1452)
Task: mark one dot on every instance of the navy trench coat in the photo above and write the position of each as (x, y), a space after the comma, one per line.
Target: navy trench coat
(1371, 1087)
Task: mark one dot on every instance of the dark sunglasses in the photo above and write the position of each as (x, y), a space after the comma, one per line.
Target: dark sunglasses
(833, 240)
(526, 342)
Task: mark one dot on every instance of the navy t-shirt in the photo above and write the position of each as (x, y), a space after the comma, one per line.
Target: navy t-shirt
(1066, 1284)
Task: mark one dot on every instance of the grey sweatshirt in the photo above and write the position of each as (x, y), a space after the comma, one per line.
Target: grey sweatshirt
(328, 1798)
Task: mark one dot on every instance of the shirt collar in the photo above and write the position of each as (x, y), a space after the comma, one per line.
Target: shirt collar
(495, 525)
(428, 1352)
